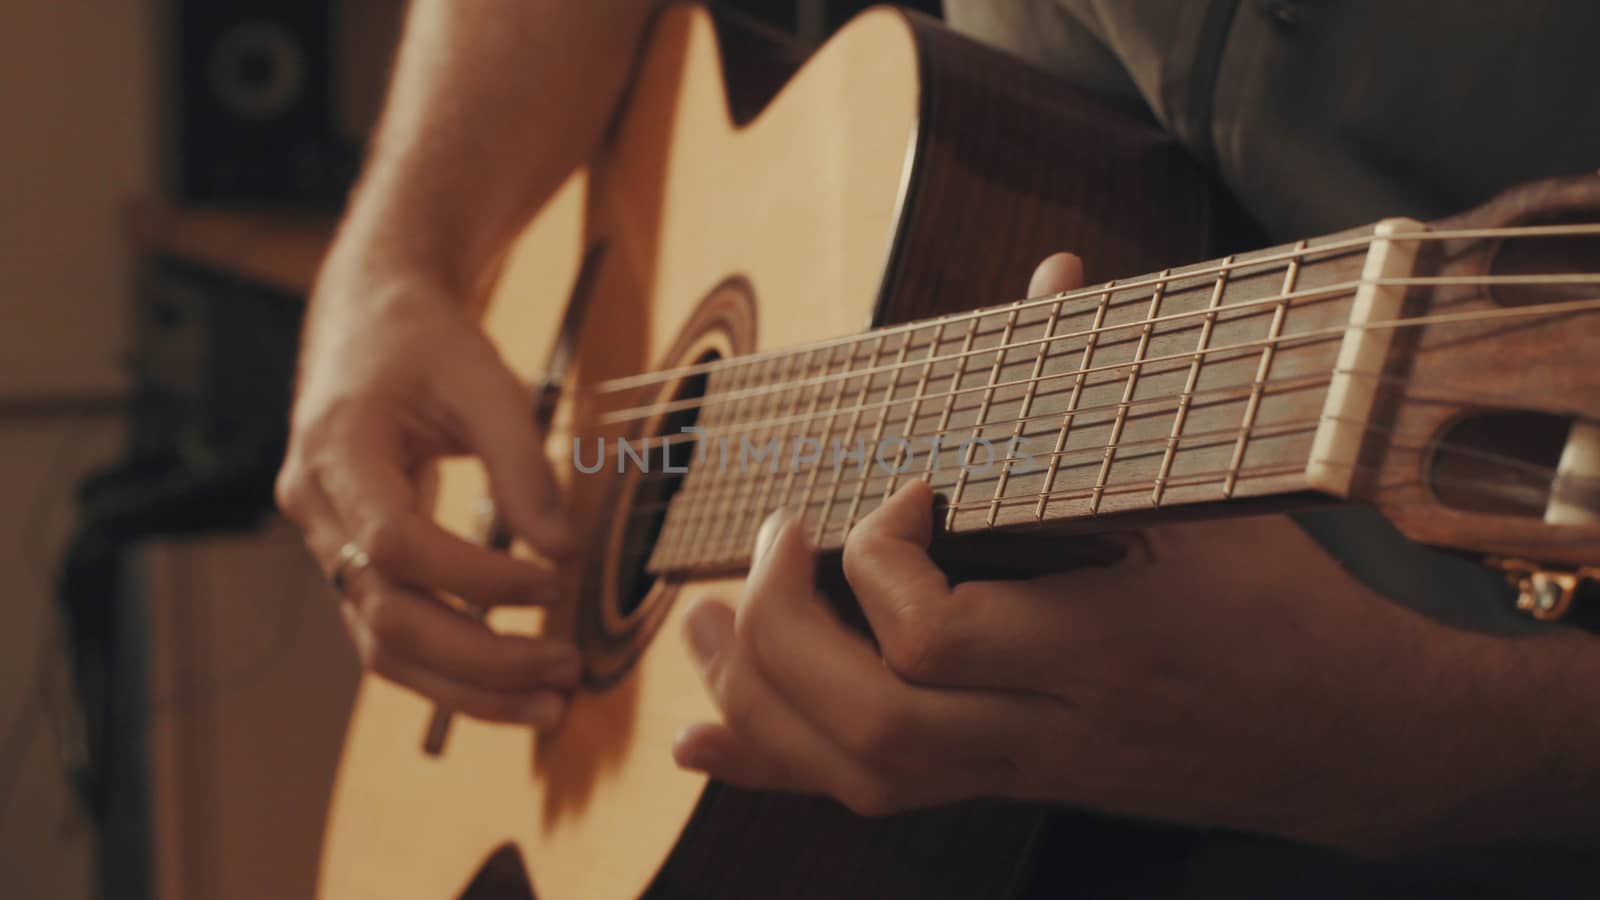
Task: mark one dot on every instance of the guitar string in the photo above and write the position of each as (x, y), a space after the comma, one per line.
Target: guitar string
(636, 413)
(707, 500)
(1309, 336)
(1158, 407)
(1278, 385)
(1281, 386)
(1187, 480)
(1262, 430)
(1093, 292)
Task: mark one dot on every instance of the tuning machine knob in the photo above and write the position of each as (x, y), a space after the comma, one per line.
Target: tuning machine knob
(1545, 592)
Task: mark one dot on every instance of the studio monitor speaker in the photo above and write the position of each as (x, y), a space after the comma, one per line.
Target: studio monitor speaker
(256, 103)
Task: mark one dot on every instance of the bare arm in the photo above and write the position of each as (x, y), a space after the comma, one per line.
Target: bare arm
(494, 103)
(1537, 711)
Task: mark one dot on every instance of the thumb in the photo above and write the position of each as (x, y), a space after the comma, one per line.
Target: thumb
(1059, 272)
(783, 553)
(499, 424)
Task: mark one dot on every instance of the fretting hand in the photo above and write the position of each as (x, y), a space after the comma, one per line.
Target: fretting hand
(1229, 673)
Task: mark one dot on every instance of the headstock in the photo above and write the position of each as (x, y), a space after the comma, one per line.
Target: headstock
(1486, 434)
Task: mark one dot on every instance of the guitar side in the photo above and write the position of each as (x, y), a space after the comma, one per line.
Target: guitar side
(901, 172)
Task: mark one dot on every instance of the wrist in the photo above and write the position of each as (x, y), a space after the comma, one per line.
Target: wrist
(366, 298)
(380, 252)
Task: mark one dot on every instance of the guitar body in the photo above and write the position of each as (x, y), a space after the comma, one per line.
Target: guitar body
(899, 173)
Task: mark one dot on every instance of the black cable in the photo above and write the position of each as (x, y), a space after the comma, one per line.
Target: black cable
(34, 712)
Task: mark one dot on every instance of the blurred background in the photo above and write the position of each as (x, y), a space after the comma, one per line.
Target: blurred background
(173, 681)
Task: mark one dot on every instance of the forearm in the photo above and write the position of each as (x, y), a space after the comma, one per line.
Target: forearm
(493, 103)
(1470, 740)
(1543, 710)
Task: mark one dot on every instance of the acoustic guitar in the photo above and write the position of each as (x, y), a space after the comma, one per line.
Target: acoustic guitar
(769, 291)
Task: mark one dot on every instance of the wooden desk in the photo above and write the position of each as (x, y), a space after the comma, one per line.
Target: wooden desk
(277, 248)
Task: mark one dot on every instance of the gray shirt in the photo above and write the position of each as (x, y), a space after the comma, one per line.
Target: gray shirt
(1321, 115)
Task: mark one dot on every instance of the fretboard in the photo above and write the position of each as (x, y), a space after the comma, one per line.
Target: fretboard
(1195, 385)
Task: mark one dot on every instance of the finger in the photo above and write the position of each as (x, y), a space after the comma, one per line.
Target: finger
(991, 635)
(778, 739)
(376, 503)
(713, 748)
(496, 413)
(1058, 273)
(726, 756)
(416, 628)
(904, 596)
(855, 699)
(307, 505)
(541, 709)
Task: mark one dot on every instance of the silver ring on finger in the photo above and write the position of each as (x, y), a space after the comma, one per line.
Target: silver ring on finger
(352, 562)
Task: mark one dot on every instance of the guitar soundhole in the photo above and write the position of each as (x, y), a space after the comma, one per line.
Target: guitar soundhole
(653, 493)
(1572, 254)
(1501, 463)
(627, 602)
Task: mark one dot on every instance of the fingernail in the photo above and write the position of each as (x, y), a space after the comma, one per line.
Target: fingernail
(769, 533)
(544, 711)
(705, 634)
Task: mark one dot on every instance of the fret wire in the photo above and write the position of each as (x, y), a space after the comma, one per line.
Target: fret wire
(1328, 292)
(1238, 392)
(744, 516)
(983, 413)
(1425, 445)
(1127, 397)
(694, 496)
(684, 508)
(956, 375)
(1187, 396)
(1186, 356)
(1198, 478)
(877, 432)
(1024, 411)
(826, 433)
(1217, 437)
(1159, 403)
(916, 407)
(764, 491)
(1280, 429)
(703, 533)
(1073, 400)
(708, 462)
(1278, 339)
(1334, 332)
(741, 413)
(1241, 391)
(850, 434)
(1270, 256)
(1253, 405)
(805, 432)
(1277, 429)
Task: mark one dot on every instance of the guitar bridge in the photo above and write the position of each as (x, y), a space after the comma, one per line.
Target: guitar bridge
(1546, 592)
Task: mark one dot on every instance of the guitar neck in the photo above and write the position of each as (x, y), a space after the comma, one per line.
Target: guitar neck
(1225, 380)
